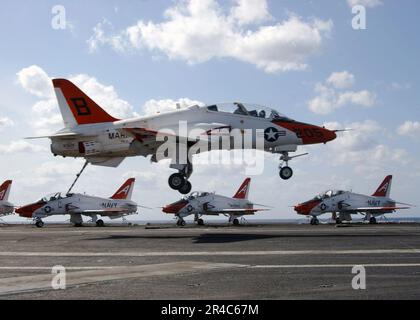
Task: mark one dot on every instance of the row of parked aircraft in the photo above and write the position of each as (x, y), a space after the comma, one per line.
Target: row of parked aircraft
(342, 204)
(91, 133)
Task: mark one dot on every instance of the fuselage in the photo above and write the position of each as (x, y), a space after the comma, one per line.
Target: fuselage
(208, 204)
(344, 202)
(77, 204)
(117, 139)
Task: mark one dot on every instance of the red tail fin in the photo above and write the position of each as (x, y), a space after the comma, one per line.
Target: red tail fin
(125, 191)
(5, 190)
(243, 190)
(83, 109)
(384, 189)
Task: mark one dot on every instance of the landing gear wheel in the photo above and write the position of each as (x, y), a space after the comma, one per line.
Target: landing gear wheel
(314, 221)
(78, 225)
(200, 222)
(100, 223)
(186, 188)
(39, 224)
(182, 223)
(373, 220)
(235, 222)
(338, 221)
(286, 173)
(176, 181)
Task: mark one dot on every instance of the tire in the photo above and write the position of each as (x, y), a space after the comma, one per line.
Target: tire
(286, 173)
(100, 223)
(338, 221)
(186, 188)
(200, 222)
(182, 223)
(236, 222)
(373, 220)
(316, 222)
(176, 181)
(78, 225)
(39, 224)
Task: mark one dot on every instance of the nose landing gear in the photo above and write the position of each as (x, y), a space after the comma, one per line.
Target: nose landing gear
(285, 171)
(314, 221)
(39, 223)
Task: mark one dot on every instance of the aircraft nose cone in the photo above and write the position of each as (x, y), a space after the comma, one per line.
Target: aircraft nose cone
(28, 211)
(25, 212)
(174, 208)
(329, 135)
(306, 208)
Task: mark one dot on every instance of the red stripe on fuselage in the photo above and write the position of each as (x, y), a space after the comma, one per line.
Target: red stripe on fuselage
(309, 133)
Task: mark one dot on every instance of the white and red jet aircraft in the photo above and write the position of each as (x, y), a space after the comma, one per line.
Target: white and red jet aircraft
(76, 205)
(345, 203)
(103, 140)
(6, 207)
(210, 204)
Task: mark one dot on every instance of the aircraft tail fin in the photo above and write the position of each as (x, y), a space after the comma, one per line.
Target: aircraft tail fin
(76, 107)
(243, 191)
(384, 189)
(5, 190)
(126, 190)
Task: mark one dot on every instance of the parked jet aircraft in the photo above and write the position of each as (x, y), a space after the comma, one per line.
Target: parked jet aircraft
(346, 203)
(5, 206)
(78, 205)
(103, 140)
(210, 204)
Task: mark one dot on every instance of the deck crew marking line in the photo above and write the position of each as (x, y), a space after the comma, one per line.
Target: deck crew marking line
(206, 253)
(38, 282)
(275, 266)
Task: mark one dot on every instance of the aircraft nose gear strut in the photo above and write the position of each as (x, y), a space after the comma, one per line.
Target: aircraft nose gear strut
(179, 181)
(285, 171)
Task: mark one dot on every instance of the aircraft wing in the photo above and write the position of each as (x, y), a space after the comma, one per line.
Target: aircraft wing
(243, 211)
(376, 208)
(58, 135)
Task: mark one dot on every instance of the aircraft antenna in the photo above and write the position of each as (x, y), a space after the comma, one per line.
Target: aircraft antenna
(78, 176)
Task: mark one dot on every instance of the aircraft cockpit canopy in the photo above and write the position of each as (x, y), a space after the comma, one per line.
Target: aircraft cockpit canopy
(55, 196)
(247, 109)
(196, 195)
(329, 194)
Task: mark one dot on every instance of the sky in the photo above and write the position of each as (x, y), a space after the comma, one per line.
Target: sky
(306, 59)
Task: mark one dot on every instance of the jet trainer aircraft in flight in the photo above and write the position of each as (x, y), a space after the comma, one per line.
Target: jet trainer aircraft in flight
(6, 207)
(210, 204)
(76, 205)
(103, 140)
(346, 203)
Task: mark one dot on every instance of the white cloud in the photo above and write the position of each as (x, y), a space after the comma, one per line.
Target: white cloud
(197, 31)
(36, 81)
(250, 11)
(6, 122)
(341, 80)
(20, 147)
(153, 107)
(409, 128)
(363, 147)
(329, 97)
(365, 3)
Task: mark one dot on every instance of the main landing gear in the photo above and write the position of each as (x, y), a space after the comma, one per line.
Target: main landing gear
(285, 171)
(179, 181)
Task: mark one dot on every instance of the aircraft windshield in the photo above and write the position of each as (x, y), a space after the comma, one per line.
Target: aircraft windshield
(329, 194)
(196, 195)
(247, 109)
(52, 197)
